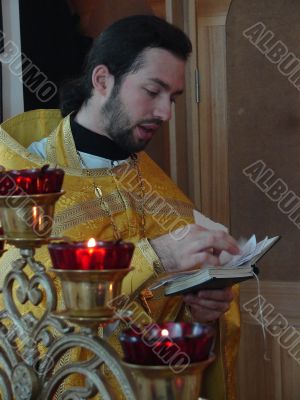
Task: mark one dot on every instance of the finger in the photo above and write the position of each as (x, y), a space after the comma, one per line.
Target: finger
(212, 305)
(225, 294)
(204, 315)
(205, 258)
(218, 295)
(218, 240)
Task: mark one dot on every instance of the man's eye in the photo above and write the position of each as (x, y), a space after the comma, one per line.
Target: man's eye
(173, 100)
(151, 93)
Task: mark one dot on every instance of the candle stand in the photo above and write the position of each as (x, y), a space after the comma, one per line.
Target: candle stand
(32, 346)
(160, 382)
(37, 339)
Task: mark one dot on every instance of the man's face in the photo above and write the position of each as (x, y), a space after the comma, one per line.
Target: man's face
(136, 109)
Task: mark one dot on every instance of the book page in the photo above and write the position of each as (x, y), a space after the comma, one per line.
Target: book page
(207, 223)
(247, 250)
(251, 251)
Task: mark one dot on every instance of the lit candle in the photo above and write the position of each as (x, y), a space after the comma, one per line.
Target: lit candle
(91, 255)
(31, 181)
(164, 332)
(167, 343)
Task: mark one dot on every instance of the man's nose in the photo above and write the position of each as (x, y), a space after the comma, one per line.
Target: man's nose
(163, 110)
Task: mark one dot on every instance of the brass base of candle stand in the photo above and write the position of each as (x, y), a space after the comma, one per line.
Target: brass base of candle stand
(36, 348)
(35, 243)
(90, 294)
(163, 383)
(21, 243)
(28, 217)
(92, 322)
(31, 365)
(37, 342)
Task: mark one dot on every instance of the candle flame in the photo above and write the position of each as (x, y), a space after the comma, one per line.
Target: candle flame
(34, 210)
(91, 242)
(164, 332)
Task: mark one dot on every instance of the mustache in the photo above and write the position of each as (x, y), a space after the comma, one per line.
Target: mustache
(156, 121)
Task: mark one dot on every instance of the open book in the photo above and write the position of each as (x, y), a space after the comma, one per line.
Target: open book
(233, 269)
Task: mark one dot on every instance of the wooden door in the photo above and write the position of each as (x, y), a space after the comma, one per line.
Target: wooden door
(264, 130)
(211, 48)
(248, 110)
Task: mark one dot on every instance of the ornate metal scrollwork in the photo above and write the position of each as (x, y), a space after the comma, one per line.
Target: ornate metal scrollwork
(31, 347)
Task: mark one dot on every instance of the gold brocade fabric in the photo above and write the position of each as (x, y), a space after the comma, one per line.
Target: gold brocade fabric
(80, 216)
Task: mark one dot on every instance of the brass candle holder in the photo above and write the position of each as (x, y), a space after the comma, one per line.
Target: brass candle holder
(91, 277)
(91, 274)
(168, 360)
(88, 293)
(31, 364)
(27, 202)
(161, 382)
(27, 220)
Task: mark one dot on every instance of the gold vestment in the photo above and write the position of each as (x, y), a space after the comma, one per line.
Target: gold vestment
(80, 215)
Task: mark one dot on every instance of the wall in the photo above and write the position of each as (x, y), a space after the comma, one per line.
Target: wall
(12, 85)
(264, 131)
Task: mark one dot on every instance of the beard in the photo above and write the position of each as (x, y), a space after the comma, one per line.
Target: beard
(118, 126)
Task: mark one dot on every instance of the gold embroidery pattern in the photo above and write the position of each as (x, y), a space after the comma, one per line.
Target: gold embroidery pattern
(147, 251)
(150, 255)
(18, 148)
(90, 210)
(172, 207)
(22, 158)
(69, 145)
(85, 211)
(74, 166)
(50, 147)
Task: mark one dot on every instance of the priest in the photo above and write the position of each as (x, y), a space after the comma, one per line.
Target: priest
(133, 73)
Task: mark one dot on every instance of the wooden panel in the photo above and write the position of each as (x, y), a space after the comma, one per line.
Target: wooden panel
(96, 15)
(257, 378)
(285, 296)
(184, 126)
(290, 372)
(159, 148)
(264, 127)
(158, 7)
(213, 116)
(178, 141)
(277, 379)
(213, 7)
(192, 116)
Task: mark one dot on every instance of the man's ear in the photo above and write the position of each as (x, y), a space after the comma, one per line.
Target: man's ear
(102, 80)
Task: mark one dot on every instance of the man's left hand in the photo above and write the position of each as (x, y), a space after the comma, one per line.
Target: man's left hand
(209, 305)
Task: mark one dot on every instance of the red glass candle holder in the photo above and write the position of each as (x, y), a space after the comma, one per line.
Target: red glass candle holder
(166, 343)
(99, 256)
(31, 181)
(91, 274)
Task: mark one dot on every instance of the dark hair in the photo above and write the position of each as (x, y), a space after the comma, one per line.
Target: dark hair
(119, 48)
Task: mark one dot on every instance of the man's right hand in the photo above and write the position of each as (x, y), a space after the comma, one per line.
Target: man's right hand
(194, 248)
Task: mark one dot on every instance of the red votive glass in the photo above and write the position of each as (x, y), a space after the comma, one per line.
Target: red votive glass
(31, 181)
(168, 343)
(91, 255)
